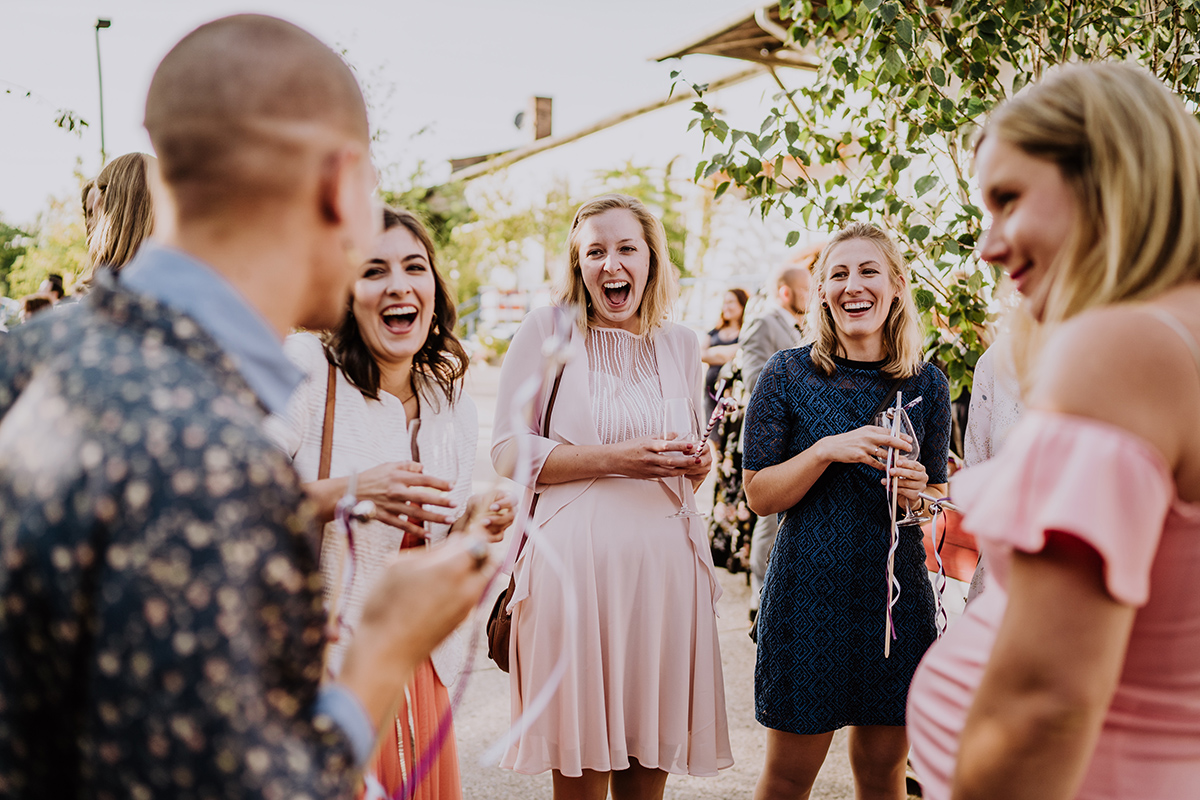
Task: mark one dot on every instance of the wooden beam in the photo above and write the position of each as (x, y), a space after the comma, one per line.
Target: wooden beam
(520, 154)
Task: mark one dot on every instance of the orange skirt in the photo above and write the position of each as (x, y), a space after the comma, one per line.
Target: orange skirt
(412, 733)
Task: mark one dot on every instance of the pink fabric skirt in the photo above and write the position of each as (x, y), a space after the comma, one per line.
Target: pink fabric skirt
(644, 676)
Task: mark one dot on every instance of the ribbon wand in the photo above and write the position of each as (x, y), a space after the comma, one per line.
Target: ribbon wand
(893, 492)
(724, 406)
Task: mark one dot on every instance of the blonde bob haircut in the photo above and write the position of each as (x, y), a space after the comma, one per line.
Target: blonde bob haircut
(1130, 151)
(901, 331)
(662, 282)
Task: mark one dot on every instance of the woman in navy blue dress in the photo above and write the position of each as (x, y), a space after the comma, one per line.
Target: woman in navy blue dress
(811, 453)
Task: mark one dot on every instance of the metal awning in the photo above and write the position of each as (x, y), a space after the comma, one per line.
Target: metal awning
(759, 36)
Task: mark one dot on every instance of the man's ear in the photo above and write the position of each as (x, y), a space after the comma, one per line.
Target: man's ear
(337, 184)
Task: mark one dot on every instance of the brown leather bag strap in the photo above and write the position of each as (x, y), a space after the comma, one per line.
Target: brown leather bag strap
(545, 434)
(327, 427)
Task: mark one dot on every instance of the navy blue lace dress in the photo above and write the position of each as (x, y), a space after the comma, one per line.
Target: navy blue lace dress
(821, 626)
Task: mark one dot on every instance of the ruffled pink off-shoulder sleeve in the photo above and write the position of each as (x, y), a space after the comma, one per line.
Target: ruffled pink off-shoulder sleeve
(1073, 475)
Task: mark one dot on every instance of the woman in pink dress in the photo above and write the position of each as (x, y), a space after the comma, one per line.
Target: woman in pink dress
(643, 694)
(1076, 674)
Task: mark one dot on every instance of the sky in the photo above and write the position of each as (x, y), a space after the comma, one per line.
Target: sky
(444, 79)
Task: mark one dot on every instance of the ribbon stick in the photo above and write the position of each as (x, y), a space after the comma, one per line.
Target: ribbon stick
(893, 488)
(937, 507)
(724, 406)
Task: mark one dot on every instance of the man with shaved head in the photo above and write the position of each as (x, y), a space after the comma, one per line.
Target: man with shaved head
(161, 628)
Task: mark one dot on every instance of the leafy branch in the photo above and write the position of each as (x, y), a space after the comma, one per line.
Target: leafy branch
(884, 128)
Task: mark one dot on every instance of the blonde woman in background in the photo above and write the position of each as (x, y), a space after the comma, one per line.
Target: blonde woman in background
(1076, 674)
(122, 212)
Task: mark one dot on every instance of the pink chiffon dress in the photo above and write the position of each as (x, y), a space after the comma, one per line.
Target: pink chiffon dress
(643, 678)
(1111, 489)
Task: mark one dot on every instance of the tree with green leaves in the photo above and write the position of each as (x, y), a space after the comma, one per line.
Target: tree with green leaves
(883, 130)
(13, 243)
(59, 245)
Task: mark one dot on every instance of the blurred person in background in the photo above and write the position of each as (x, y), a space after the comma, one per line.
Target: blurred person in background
(779, 326)
(34, 303)
(731, 521)
(52, 287)
(722, 343)
(124, 213)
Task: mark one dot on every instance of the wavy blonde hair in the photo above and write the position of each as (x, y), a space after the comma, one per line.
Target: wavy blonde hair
(662, 282)
(901, 330)
(1130, 151)
(125, 216)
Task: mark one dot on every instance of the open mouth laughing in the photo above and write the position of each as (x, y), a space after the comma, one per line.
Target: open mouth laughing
(616, 293)
(855, 307)
(400, 318)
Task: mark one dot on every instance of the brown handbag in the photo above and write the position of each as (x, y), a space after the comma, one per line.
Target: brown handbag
(499, 626)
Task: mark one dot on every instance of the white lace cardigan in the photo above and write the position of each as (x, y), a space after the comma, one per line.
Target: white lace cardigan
(367, 433)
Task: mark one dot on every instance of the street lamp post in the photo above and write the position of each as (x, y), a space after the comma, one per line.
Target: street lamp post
(101, 23)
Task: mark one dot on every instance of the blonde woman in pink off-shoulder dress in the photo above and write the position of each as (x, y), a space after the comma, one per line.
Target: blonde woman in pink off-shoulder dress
(1076, 674)
(643, 694)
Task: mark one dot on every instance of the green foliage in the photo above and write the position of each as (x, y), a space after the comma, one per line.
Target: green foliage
(883, 130)
(13, 244)
(59, 245)
(653, 187)
(64, 118)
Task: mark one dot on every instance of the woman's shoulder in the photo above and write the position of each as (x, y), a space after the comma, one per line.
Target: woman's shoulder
(931, 375)
(793, 358)
(1120, 364)
(304, 349)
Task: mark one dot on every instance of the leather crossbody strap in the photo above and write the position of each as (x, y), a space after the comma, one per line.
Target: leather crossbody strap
(520, 545)
(327, 427)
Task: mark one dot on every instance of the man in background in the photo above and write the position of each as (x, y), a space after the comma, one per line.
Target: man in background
(779, 326)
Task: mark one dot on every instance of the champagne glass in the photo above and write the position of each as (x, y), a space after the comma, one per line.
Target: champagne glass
(680, 425)
(435, 447)
(903, 427)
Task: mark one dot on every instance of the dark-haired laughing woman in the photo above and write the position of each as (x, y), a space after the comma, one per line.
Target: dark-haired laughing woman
(395, 359)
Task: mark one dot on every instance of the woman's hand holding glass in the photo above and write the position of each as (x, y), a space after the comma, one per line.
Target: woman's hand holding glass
(651, 457)
(911, 477)
(866, 445)
(405, 497)
(493, 511)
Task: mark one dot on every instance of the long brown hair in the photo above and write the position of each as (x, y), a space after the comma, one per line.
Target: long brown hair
(743, 297)
(441, 361)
